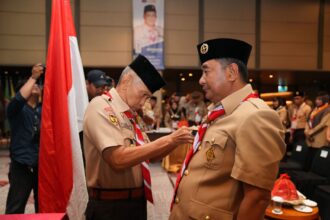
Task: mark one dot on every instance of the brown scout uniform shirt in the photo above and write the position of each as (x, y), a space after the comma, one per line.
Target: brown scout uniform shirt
(105, 125)
(318, 134)
(302, 114)
(244, 145)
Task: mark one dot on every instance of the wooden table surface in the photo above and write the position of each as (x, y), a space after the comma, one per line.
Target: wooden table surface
(289, 213)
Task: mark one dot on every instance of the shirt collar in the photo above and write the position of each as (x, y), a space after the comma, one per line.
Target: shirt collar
(117, 101)
(231, 102)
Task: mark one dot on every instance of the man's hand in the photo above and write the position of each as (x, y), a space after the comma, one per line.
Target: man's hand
(181, 136)
(37, 70)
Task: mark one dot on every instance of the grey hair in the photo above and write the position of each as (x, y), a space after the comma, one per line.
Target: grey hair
(129, 71)
(242, 68)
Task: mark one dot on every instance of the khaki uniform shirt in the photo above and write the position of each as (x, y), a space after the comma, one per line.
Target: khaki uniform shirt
(244, 145)
(106, 125)
(302, 114)
(318, 135)
(283, 114)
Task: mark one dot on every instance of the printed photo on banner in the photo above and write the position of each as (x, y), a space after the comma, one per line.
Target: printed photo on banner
(148, 29)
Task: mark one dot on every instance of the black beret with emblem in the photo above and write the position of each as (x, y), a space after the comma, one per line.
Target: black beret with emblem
(148, 73)
(149, 8)
(298, 93)
(224, 48)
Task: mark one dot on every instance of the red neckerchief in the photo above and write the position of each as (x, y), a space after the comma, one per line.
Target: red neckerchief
(139, 141)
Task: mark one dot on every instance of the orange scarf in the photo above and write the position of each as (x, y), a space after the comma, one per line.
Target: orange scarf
(316, 111)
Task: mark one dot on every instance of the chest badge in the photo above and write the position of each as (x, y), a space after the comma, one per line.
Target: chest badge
(113, 119)
(210, 154)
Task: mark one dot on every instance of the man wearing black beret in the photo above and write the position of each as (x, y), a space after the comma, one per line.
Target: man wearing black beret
(231, 169)
(117, 150)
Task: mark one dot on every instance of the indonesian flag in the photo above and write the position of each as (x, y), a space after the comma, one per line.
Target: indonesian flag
(62, 184)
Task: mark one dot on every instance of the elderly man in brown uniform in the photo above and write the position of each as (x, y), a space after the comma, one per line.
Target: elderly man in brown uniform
(116, 148)
(234, 162)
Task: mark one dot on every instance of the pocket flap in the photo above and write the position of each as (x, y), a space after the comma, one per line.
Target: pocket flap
(198, 210)
(217, 139)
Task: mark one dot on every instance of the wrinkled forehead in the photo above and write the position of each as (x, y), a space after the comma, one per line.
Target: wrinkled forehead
(141, 87)
(210, 64)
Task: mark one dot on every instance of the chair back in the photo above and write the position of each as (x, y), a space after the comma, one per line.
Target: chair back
(321, 162)
(300, 153)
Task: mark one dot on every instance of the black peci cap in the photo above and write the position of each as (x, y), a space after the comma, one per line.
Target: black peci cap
(148, 73)
(224, 48)
(149, 8)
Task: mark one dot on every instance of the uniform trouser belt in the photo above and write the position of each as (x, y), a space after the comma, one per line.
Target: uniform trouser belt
(115, 194)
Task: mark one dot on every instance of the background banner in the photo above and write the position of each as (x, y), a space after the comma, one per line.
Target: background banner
(148, 29)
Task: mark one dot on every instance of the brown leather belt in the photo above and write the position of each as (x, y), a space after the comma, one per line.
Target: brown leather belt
(115, 194)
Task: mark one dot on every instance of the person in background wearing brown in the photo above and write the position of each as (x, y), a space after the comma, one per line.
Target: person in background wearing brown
(116, 148)
(328, 133)
(298, 113)
(280, 107)
(184, 100)
(173, 115)
(316, 127)
(196, 108)
(234, 163)
(152, 111)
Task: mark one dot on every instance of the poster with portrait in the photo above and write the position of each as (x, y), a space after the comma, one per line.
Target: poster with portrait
(148, 30)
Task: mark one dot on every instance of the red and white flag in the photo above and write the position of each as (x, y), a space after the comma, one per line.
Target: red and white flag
(62, 183)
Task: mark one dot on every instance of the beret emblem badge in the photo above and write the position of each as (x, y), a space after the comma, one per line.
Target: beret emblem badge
(204, 48)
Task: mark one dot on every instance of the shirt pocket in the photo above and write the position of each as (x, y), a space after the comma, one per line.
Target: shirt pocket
(214, 150)
(198, 210)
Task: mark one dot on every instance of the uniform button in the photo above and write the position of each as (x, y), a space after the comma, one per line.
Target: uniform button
(186, 172)
(200, 147)
(177, 200)
(207, 217)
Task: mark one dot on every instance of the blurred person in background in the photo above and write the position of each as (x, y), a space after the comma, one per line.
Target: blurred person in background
(298, 113)
(110, 83)
(279, 106)
(96, 83)
(317, 124)
(24, 115)
(196, 109)
(173, 116)
(152, 114)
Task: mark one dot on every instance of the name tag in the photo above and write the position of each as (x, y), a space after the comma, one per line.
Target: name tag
(324, 154)
(298, 148)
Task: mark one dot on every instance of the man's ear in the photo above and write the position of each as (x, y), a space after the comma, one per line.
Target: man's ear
(232, 72)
